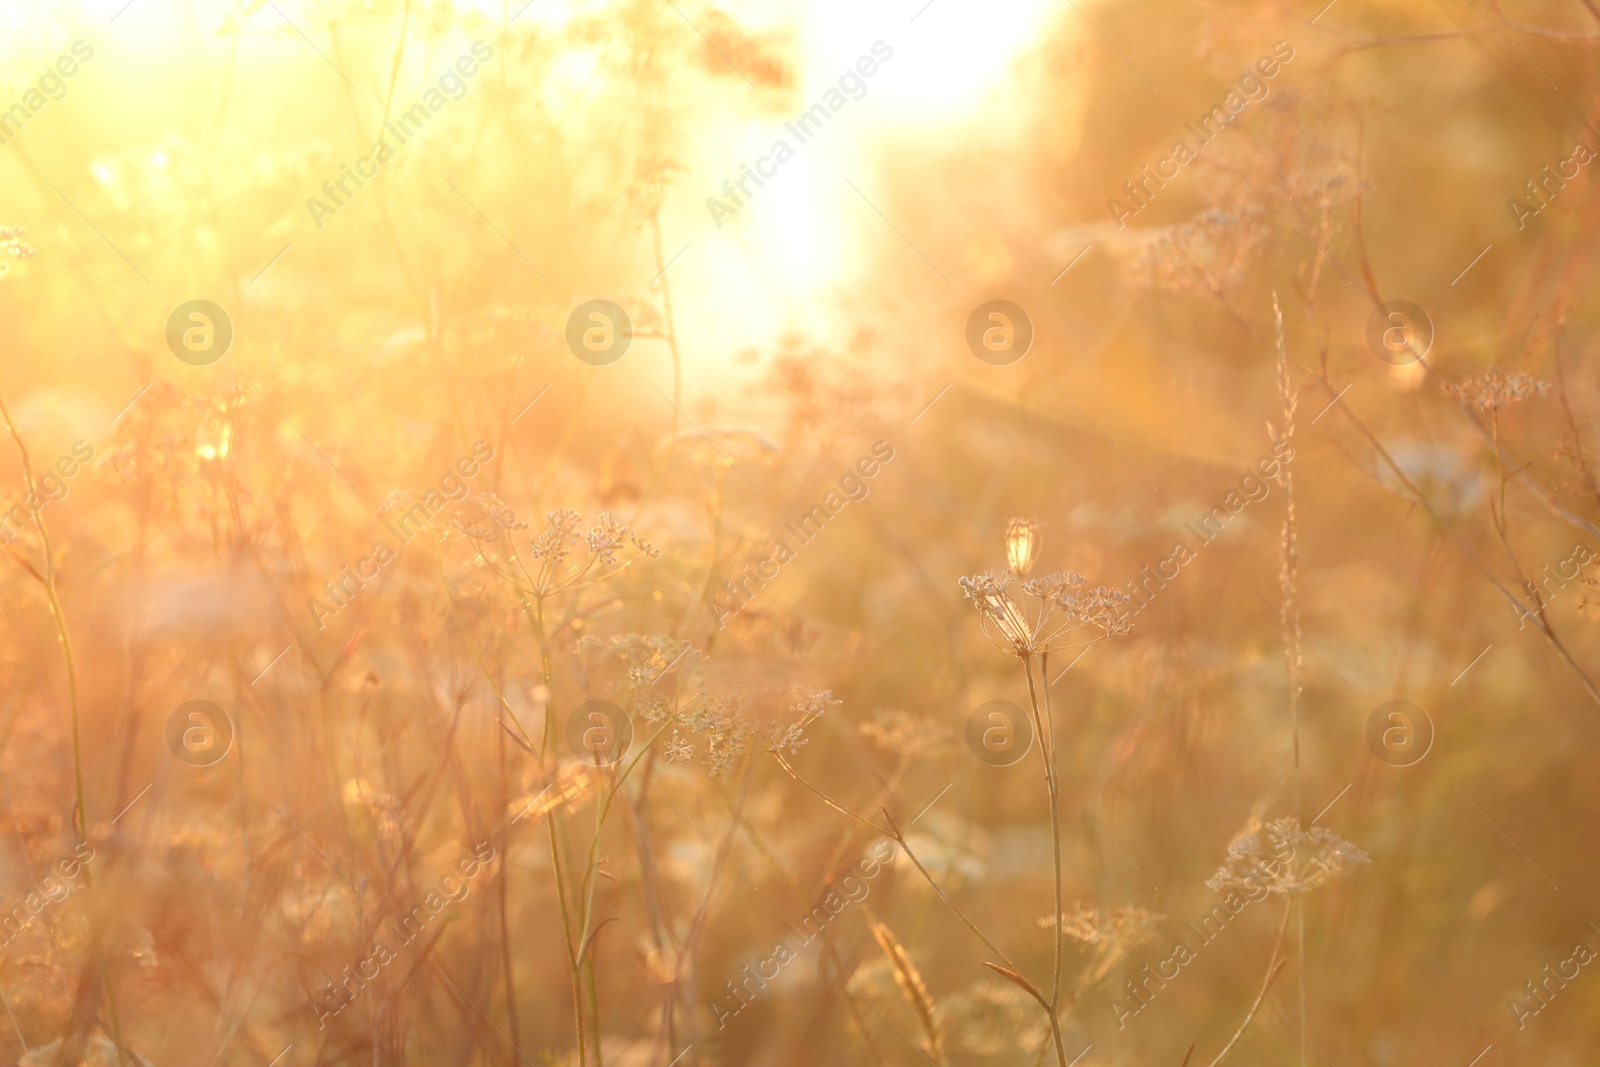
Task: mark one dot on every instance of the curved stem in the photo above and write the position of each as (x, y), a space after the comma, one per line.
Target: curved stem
(80, 820)
(1394, 467)
(80, 816)
(893, 830)
(1273, 966)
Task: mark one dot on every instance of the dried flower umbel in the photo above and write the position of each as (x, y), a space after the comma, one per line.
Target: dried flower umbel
(1062, 609)
(561, 540)
(897, 731)
(1109, 935)
(791, 734)
(1312, 858)
(1059, 610)
(1494, 390)
(992, 1018)
(1205, 256)
(11, 245)
(720, 726)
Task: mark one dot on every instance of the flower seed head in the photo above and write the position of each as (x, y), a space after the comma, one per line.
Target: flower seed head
(1022, 545)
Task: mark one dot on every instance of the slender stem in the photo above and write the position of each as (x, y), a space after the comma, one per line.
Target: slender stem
(858, 1026)
(505, 917)
(547, 738)
(1273, 965)
(1055, 805)
(893, 831)
(1449, 531)
(547, 735)
(1300, 979)
(672, 330)
(1010, 970)
(1047, 754)
(566, 930)
(594, 995)
(502, 892)
(825, 798)
(80, 816)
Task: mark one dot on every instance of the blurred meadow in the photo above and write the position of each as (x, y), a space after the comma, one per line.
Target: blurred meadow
(671, 533)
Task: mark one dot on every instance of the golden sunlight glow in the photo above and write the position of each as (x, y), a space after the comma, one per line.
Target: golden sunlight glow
(759, 533)
(804, 240)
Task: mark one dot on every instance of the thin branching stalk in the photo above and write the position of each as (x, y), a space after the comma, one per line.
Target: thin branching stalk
(1274, 965)
(80, 815)
(1543, 624)
(48, 579)
(892, 829)
(858, 1026)
(547, 741)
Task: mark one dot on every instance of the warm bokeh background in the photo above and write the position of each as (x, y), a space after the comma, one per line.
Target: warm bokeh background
(374, 751)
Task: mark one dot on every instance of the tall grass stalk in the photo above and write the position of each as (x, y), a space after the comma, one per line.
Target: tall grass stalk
(80, 814)
(1288, 573)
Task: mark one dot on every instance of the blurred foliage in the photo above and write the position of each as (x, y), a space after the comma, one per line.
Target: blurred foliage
(1444, 518)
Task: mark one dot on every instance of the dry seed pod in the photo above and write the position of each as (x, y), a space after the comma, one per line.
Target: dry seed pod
(1022, 545)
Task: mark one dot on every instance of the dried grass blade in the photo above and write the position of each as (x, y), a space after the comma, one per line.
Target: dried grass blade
(912, 988)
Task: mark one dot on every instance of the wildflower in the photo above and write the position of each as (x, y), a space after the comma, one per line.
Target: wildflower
(645, 660)
(481, 517)
(716, 448)
(1300, 860)
(1059, 615)
(1095, 927)
(551, 545)
(609, 535)
(1205, 256)
(560, 539)
(679, 751)
(724, 731)
(1492, 391)
(11, 244)
(1022, 545)
(1111, 935)
(898, 731)
(652, 708)
(791, 736)
(993, 1018)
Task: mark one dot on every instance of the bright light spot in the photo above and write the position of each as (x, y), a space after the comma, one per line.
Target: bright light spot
(797, 243)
